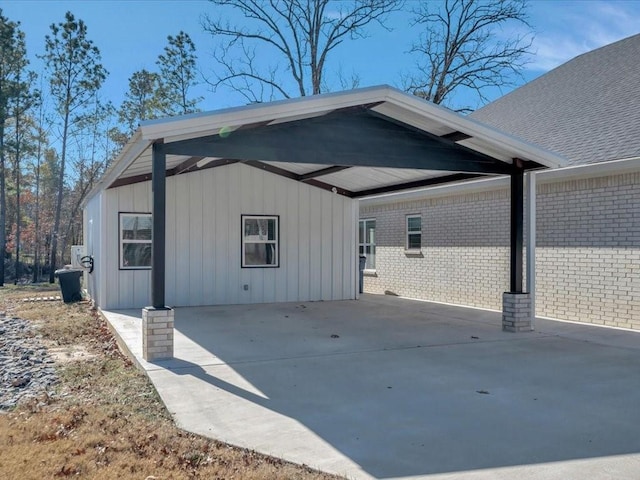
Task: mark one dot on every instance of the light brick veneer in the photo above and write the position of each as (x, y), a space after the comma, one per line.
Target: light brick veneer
(587, 255)
(516, 312)
(157, 333)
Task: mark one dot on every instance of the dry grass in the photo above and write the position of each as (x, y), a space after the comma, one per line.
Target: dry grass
(106, 420)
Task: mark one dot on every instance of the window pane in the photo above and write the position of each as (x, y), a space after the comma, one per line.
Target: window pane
(414, 240)
(136, 227)
(414, 224)
(371, 231)
(361, 231)
(371, 258)
(271, 228)
(260, 254)
(136, 254)
(260, 229)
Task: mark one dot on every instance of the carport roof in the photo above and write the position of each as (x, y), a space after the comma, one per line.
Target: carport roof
(356, 143)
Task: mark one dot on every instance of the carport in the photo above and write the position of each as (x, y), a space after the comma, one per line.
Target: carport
(385, 387)
(355, 144)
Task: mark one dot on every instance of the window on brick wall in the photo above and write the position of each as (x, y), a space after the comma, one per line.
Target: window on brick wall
(367, 242)
(413, 232)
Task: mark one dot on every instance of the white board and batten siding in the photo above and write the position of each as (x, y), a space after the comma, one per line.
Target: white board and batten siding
(317, 233)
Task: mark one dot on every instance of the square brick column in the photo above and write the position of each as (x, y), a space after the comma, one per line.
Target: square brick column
(157, 333)
(516, 312)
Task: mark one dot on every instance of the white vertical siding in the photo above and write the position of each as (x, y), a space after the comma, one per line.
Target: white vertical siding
(318, 249)
(92, 241)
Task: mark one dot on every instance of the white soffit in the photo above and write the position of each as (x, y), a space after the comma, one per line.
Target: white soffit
(363, 178)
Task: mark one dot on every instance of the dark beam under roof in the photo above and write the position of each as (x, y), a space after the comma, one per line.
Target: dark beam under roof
(456, 136)
(355, 138)
(427, 182)
(323, 171)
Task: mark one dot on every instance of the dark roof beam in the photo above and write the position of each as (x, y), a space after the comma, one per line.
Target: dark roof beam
(456, 136)
(429, 182)
(357, 139)
(323, 171)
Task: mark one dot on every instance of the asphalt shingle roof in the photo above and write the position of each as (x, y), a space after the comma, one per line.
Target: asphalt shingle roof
(587, 110)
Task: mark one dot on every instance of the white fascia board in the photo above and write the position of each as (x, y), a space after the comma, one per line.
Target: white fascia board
(131, 151)
(612, 167)
(502, 141)
(193, 125)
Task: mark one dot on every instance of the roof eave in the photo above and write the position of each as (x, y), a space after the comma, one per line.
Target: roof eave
(131, 151)
(476, 129)
(235, 117)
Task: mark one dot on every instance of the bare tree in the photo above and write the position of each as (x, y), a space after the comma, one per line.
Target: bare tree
(461, 48)
(301, 34)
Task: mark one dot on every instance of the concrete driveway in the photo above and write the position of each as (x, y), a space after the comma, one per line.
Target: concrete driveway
(386, 387)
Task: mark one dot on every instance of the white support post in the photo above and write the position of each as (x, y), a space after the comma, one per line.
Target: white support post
(531, 243)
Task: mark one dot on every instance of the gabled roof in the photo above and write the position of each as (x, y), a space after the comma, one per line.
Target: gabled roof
(355, 143)
(587, 110)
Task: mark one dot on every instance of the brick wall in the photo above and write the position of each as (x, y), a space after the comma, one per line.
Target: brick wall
(587, 258)
(588, 250)
(465, 249)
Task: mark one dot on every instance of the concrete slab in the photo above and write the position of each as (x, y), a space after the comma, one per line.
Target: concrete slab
(386, 387)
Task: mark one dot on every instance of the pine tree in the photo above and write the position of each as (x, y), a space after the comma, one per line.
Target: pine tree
(75, 74)
(178, 74)
(13, 61)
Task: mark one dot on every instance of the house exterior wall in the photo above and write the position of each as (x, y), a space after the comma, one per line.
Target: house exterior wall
(465, 249)
(587, 255)
(317, 241)
(92, 240)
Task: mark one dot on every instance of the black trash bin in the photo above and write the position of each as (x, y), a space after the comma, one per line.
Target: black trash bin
(363, 262)
(69, 284)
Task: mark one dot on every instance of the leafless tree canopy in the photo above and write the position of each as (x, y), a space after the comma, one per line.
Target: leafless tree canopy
(285, 41)
(462, 47)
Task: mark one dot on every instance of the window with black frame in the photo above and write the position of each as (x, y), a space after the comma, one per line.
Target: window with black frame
(260, 242)
(135, 240)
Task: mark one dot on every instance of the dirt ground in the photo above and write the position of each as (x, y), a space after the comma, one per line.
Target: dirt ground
(105, 419)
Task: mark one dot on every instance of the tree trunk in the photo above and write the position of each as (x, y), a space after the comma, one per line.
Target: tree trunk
(3, 206)
(36, 255)
(16, 278)
(56, 224)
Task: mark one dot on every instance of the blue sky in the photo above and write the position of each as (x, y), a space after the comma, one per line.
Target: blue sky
(131, 34)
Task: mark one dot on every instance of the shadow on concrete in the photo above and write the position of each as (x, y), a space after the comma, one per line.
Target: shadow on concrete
(406, 388)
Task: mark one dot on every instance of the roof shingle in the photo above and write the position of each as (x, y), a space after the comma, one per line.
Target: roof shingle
(587, 110)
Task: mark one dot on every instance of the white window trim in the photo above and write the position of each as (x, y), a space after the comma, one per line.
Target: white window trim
(121, 241)
(407, 233)
(251, 239)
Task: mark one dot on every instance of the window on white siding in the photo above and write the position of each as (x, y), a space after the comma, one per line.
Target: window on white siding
(367, 242)
(260, 242)
(135, 241)
(414, 232)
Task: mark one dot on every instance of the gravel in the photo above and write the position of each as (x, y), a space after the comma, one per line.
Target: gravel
(26, 369)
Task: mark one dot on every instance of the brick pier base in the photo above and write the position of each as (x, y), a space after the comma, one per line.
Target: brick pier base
(516, 312)
(157, 333)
